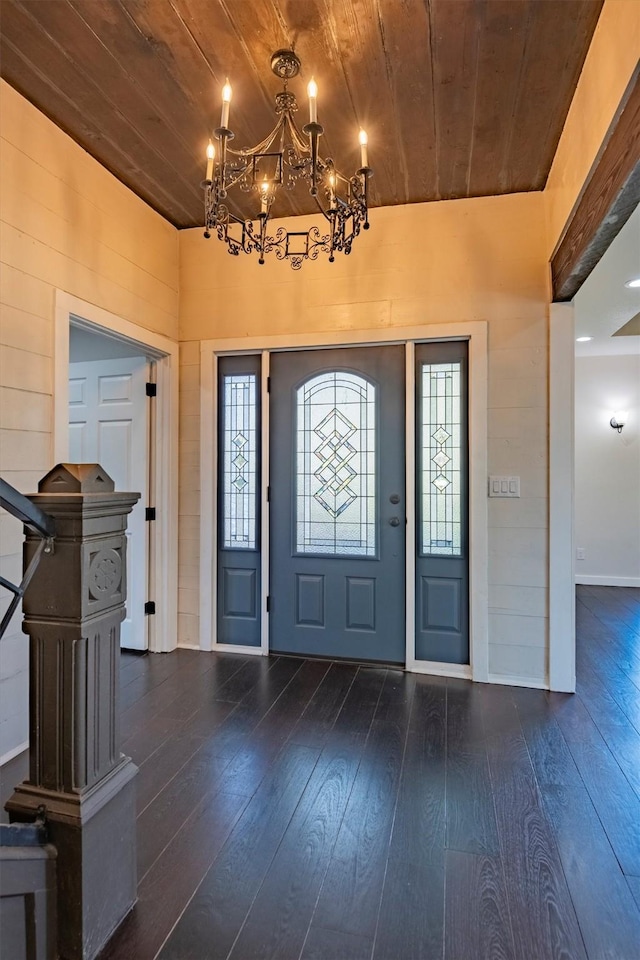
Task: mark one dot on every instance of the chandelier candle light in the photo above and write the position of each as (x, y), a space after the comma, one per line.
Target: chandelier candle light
(284, 159)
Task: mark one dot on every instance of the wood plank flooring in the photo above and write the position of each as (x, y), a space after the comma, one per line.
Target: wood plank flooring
(307, 810)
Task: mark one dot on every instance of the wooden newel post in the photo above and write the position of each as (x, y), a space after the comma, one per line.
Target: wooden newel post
(73, 609)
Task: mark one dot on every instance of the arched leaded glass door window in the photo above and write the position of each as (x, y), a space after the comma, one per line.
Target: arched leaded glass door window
(336, 465)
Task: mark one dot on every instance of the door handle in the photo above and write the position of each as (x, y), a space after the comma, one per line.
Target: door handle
(394, 498)
(394, 521)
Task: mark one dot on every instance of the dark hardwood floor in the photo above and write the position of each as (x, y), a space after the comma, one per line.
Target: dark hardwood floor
(304, 809)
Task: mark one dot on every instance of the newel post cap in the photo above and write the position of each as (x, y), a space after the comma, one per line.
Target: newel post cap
(76, 478)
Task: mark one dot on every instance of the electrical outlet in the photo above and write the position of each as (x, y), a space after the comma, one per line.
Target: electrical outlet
(504, 486)
(580, 553)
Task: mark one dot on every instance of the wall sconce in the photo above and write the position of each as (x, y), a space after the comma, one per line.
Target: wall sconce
(618, 420)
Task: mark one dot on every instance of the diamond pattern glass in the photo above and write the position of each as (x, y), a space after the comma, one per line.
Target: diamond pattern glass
(239, 473)
(441, 460)
(335, 493)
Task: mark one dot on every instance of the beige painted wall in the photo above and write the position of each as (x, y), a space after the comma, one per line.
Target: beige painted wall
(418, 265)
(612, 58)
(65, 223)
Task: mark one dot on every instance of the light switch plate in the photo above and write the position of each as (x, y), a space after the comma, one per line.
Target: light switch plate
(504, 486)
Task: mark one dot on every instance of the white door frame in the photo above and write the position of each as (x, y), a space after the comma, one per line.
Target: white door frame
(562, 590)
(476, 334)
(163, 554)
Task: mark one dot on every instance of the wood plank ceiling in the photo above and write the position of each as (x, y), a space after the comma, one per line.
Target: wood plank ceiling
(461, 98)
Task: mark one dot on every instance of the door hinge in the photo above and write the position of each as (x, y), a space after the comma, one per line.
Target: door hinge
(268, 384)
(268, 604)
(150, 607)
(151, 389)
(149, 513)
(268, 494)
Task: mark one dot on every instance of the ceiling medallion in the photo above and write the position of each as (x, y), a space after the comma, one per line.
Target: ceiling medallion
(283, 160)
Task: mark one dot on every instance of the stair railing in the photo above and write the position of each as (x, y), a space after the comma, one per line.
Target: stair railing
(32, 516)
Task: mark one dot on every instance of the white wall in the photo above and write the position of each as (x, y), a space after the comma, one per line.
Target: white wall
(607, 501)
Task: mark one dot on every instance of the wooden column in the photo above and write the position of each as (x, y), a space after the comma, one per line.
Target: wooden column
(72, 612)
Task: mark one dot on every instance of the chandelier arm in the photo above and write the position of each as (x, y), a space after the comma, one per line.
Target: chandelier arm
(236, 180)
(314, 130)
(343, 179)
(325, 214)
(261, 147)
(298, 139)
(263, 236)
(264, 145)
(332, 240)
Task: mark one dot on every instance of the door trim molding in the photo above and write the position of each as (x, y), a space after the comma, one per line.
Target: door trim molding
(264, 505)
(410, 503)
(476, 333)
(562, 591)
(163, 557)
(461, 671)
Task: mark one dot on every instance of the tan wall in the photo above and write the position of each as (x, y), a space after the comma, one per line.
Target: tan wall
(418, 265)
(66, 223)
(612, 58)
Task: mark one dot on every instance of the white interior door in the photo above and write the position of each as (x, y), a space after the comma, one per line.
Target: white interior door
(108, 425)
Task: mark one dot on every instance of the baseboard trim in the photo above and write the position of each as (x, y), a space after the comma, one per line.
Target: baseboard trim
(233, 648)
(225, 648)
(509, 681)
(436, 668)
(10, 754)
(602, 581)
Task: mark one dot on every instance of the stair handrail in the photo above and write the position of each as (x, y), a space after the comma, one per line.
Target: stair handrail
(25, 510)
(36, 519)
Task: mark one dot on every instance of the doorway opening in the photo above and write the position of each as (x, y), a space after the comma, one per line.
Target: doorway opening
(116, 403)
(110, 417)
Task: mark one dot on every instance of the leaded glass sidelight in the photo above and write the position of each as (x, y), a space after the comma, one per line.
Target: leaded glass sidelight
(239, 449)
(441, 459)
(336, 462)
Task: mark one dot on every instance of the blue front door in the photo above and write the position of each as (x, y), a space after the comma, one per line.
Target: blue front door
(337, 503)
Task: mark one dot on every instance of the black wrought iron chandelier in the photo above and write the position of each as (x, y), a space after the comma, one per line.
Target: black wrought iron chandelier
(284, 159)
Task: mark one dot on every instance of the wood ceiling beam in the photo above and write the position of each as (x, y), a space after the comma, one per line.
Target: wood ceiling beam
(609, 197)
